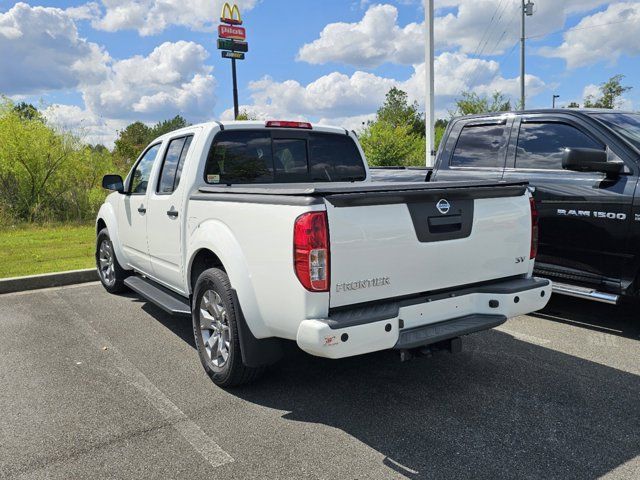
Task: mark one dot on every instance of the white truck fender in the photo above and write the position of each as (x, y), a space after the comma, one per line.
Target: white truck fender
(218, 238)
(108, 216)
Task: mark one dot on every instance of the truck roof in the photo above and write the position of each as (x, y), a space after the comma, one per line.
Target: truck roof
(257, 124)
(549, 111)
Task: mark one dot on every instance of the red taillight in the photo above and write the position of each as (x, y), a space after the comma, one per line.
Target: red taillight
(311, 251)
(534, 228)
(287, 124)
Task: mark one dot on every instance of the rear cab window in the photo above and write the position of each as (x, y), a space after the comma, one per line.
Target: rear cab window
(270, 156)
(480, 146)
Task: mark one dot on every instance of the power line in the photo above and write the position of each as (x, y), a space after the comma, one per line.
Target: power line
(506, 5)
(487, 29)
(585, 28)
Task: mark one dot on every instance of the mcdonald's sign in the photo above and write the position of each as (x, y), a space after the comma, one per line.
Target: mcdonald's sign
(231, 15)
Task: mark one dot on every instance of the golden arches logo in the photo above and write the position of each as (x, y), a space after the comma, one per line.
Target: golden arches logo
(231, 15)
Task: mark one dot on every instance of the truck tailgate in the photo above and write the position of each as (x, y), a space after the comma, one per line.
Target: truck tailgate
(387, 244)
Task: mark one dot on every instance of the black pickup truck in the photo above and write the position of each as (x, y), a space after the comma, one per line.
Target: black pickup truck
(584, 166)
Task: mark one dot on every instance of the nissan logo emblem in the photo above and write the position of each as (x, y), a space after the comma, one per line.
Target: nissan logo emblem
(443, 206)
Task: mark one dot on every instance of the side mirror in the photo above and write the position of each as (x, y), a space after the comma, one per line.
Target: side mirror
(113, 183)
(590, 160)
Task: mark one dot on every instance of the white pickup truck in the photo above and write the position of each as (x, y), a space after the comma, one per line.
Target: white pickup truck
(271, 231)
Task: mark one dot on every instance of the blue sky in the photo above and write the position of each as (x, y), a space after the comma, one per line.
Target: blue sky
(97, 66)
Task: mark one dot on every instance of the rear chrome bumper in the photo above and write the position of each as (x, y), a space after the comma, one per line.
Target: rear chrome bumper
(423, 320)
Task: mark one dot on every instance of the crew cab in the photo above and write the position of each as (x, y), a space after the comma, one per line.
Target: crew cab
(584, 167)
(265, 232)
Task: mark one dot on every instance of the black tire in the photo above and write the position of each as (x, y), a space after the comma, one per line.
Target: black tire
(114, 281)
(210, 333)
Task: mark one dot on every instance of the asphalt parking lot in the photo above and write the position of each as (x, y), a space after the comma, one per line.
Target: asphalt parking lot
(100, 386)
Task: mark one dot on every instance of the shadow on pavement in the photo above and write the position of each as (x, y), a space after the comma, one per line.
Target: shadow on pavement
(622, 320)
(501, 409)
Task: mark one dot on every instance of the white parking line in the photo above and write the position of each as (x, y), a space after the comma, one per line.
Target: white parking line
(524, 337)
(190, 431)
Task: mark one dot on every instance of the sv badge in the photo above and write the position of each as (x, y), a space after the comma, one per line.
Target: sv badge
(520, 259)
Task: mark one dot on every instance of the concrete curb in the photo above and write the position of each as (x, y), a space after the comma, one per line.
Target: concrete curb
(47, 280)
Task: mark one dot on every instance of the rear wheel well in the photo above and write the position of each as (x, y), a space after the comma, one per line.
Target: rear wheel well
(100, 225)
(203, 260)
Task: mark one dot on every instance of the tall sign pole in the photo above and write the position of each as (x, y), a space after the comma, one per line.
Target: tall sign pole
(429, 77)
(232, 41)
(234, 75)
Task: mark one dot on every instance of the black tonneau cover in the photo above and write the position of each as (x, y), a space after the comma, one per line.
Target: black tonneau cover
(359, 194)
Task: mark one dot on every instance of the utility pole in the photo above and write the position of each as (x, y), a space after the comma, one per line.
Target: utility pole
(553, 105)
(527, 11)
(429, 99)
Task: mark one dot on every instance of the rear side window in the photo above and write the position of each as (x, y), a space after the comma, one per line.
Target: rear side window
(541, 145)
(172, 165)
(480, 146)
(244, 156)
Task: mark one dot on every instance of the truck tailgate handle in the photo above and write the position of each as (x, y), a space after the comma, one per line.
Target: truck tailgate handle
(446, 224)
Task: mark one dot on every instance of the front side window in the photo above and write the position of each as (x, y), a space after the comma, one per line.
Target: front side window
(142, 172)
(627, 125)
(541, 145)
(480, 146)
(172, 165)
(245, 156)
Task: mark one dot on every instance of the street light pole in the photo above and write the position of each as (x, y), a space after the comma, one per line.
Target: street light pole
(429, 81)
(522, 59)
(554, 100)
(527, 11)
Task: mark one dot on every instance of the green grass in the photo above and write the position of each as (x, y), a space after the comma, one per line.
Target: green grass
(33, 249)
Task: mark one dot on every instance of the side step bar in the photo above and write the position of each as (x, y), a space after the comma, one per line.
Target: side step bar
(585, 293)
(164, 298)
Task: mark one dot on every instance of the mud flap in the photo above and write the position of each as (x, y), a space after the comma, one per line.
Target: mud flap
(255, 352)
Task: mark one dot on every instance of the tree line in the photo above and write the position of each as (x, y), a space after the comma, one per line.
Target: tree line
(48, 174)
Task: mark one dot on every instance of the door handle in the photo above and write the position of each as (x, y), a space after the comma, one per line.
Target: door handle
(142, 210)
(172, 213)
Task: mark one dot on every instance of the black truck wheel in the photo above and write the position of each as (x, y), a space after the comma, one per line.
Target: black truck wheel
(215, 329)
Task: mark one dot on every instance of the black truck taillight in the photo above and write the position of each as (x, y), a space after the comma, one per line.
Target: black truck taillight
(534, 228)
(311, 251)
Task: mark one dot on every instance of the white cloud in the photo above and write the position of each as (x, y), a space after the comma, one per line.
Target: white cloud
(603, 36)
(150, 17)
(90, 127)
(375, 39)
(172, 79)
(40, 49)
(348, 99)
(590, 90)
(88, 11)
(479, 27)
(490, 27)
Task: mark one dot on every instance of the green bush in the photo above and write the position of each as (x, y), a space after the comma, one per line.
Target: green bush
(46, 174)
(385, 145)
